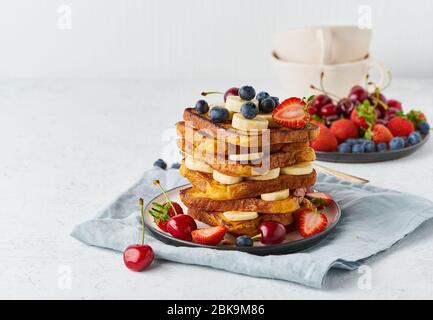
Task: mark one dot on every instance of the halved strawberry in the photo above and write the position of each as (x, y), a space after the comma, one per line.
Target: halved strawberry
(311, 222)
(319, 199)
(291, 113)
(209, 236)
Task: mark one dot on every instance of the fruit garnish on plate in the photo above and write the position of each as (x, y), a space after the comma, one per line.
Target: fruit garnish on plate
(291, 113)
(209, 236)
(311, 222)
(138, 257)
(379, 121)
(271, 232)
(319, 199)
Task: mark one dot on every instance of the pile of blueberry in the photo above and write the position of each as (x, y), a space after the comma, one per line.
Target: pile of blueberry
(366, 146)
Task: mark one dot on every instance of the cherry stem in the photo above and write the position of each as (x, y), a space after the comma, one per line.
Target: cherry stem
(325, 92)
(156, 182)
(256, 237)
(204, 93)
(141, 203)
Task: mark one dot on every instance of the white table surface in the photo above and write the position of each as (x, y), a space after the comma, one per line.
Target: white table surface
(68, 148)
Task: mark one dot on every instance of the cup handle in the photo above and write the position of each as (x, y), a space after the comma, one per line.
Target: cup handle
(383, 73)
(325, 39)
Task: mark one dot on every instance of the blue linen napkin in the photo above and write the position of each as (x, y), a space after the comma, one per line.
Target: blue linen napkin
(373, 219)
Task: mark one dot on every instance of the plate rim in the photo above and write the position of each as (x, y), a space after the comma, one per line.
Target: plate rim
(313, 239)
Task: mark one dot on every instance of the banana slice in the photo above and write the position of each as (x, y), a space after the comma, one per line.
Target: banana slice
(246, 156)
(268, 116)
(298, 169)
(272, 174)
(224, 179)
(277, 195)
(241, 123)
(240, 215)
(197, 165)
(234, 103)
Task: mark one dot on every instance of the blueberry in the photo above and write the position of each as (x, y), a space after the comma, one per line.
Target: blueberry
(396, 143)
(423, 127)
(244, 241)
(381, 147)
(414, 138)
(249, 110)
(276, 100)
(262, 95)
(175, 165)
(219, 114)
(161, 164)
(358, 148)
(247, 93)
(345, 148)
(369, 146)
(202, 106)
(266, 105)
(350, 141)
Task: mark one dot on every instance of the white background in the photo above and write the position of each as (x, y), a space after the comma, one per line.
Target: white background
(71, 146)
(194, 38)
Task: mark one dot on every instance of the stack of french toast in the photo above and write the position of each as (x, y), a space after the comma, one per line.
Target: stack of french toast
(248, 160)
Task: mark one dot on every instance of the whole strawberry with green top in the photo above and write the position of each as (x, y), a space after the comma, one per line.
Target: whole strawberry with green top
(363, 115)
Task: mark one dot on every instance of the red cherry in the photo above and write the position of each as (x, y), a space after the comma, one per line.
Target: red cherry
(312, 110)
(345, 106)
(231, 92)
(328, 109)
(138, 257)
(176, 205)
(395, 104)
(181, 226)
(272, 232)
(357, 94)
(320, 100)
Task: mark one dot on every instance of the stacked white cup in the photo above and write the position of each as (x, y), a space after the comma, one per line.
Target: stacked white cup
(341, 53)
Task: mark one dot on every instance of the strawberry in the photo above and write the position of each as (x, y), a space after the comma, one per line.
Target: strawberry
(291, 113)
(363, 115)
(176, 205)
(381, 134)
(326, 140)
(319, 199)
(311, 222)
(344, 129)
(209, 236)
(416, 117)
(162, 213)
(400, 127)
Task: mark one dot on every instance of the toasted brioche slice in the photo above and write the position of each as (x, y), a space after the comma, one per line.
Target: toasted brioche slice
(249, 227)
(201, 141)
(194, 198)
(245, 189)
(239, 137)
(249, 168)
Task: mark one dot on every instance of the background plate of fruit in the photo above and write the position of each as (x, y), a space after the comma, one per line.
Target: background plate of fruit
(365, 126)
(165, 217)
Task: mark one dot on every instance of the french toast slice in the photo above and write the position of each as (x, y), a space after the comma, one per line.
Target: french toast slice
(202, 141)
(239, 137)
(249, 168)
(245, 189)
(194, 198)
(248, 227)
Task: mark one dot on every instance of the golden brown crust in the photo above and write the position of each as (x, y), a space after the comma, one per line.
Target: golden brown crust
(249, 227)
(201, 141)
(277, 135)
(244, 189)
(194, 198)
(248, 168)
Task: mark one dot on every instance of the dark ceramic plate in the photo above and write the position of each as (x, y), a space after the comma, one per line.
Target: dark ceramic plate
(294, 241)
(370, 157)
